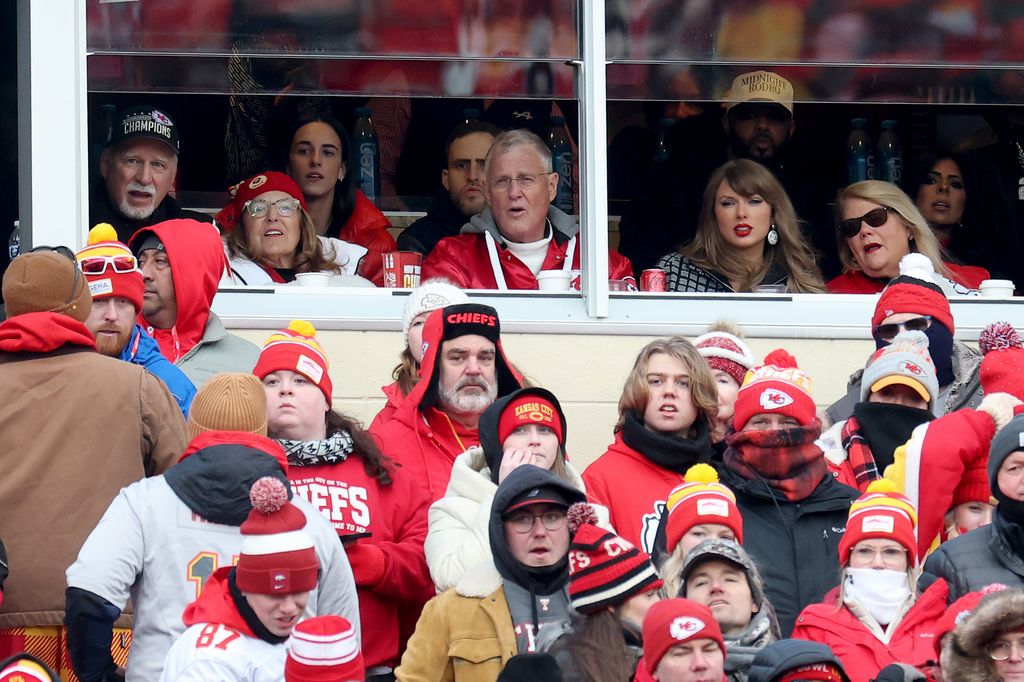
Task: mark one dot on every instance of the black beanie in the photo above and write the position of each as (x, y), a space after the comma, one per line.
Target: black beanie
(531, 668)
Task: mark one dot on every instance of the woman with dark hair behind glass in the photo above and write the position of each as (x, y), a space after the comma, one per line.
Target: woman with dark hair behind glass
(318, 156)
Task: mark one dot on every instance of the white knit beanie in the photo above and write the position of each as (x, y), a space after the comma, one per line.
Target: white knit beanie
(432, 295)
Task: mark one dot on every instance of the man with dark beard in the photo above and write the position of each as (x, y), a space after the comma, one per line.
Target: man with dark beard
(463, 370)
(115, 282)
(758, 125)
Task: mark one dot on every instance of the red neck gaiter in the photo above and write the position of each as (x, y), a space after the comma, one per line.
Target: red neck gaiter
(787, 460)
(42, 333)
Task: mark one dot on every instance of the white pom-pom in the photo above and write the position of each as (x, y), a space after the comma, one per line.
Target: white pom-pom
(918, 266)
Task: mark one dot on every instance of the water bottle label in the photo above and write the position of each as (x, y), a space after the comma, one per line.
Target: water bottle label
(368, 168)
(14, 246)
(894, 169)
(563, 198)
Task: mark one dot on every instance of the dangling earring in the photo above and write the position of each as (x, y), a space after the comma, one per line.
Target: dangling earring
(773, 236)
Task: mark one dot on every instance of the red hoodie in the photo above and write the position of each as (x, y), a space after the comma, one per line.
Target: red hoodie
(197, 259)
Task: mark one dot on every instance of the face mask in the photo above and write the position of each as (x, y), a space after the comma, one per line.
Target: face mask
(882, 592)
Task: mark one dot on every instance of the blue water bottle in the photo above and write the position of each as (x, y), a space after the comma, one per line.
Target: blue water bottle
(367, 152)
(860, 159)
(890, 154)
(561, 158)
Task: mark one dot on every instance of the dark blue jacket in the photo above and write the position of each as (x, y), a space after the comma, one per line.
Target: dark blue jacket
(142, 349)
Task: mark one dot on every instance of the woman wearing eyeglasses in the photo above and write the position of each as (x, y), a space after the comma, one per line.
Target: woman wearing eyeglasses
(525, 427)
(747, 236)
(988, 645)
(271, 238)
(879, 225)
(876, 617)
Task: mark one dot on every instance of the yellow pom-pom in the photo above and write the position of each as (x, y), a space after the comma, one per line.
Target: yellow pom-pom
(102, 232)
(701, 473)
(302, 327)
(882, 485)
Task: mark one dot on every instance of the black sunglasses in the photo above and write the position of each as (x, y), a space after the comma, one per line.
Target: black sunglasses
(70, 255)
(888, 332)
(876, 217)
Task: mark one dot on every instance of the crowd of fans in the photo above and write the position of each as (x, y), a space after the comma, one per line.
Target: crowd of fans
(213, 516)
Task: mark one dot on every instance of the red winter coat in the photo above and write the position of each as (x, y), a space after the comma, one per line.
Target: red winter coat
(863, 654)
(368, 227)
(389, 566)
(856, 282)
(634, 490)
(465, 261)
(424, 441)
(394, 396)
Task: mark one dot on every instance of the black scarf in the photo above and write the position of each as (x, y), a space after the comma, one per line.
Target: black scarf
(886, 427)
(674, 453)
(248, 615)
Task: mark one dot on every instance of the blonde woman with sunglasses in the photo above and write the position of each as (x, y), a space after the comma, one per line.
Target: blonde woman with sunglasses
(878, 225)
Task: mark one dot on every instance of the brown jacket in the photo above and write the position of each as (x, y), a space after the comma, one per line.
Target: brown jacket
(75, 427)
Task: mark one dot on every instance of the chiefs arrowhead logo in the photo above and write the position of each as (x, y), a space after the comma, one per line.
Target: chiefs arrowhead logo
(908, 367)
(685, 627)
(774, 399)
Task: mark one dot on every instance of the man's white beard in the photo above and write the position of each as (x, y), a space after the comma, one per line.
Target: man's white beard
(137, 212)
(453, 400)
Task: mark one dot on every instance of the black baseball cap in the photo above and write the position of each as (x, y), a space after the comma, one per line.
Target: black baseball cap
(545, 494)
(143, 122)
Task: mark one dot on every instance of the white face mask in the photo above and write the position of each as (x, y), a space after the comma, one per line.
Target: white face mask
(882, 592)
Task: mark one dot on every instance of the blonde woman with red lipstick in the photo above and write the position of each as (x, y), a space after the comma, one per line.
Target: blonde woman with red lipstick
(747, 237)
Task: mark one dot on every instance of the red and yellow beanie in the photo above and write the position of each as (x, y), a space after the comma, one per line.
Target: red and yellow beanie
(881, 512)
(296, 349)
(100, 261)
(914, 291)
(247, 190)
(533, 406)
(776, 387)
(277, 555)
(701, 499)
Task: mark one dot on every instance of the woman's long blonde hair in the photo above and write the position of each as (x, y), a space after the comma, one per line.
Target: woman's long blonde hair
(709, 250)
(922, 239)
(309, 254)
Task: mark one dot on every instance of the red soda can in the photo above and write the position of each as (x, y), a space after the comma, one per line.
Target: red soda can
(652, 280)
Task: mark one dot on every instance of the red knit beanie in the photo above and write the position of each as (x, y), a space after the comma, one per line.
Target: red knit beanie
(881, 512)
(531, 407)
(296, 349)
(110, 267)
(324, 649)
(726, 352)
(777, 387)
(277, 555)
(606, 570)
(973, 486)
(1002, 369)
(247, 190)
(914, 291)
(959, 610)
(701, 499)
(675, 621)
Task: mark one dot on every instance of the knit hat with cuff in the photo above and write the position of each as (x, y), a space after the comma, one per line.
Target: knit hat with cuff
(726, 352)
(110, 267)
(914, 290)
(229, 402)
(701, 499)
(46, 282)
(776, 387)
(881, 512)
(296, 349)
(905, 361)
(324, 649)
(675, 621)
(433, 294)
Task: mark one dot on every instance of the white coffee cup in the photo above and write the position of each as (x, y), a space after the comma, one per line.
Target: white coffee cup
(553, 280)
(313, 279)
(997, 288)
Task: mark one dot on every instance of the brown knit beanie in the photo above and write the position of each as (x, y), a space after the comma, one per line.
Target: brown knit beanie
(46, 282)
(229, 402)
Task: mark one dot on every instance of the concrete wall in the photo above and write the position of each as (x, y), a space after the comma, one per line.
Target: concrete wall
(586, 372)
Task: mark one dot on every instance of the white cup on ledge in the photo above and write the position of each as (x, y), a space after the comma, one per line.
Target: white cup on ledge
(553, 280)
(997, 288)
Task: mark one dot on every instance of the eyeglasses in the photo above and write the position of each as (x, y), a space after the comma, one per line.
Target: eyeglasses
(891, 556)
(524, 522)
(525, 182)
(876, 217)
(70, 255)
(97, 265)
(1003, 649)
(259, 208)
(888, 332)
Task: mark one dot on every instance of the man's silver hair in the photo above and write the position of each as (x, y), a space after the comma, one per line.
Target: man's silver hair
(517, 138)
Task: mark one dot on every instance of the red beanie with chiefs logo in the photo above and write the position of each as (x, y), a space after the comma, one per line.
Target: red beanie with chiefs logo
(247, 190)
(675, 621)
(532, 406)
(776, 387)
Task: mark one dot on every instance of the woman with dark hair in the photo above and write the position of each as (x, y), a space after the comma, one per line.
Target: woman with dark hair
(747, 236)
(319, 151)
(379, 512)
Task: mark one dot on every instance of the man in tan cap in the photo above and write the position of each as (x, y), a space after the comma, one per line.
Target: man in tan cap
(75, 427)
(163, 537)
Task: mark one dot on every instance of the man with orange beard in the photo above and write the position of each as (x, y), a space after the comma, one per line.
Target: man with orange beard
(115, 282)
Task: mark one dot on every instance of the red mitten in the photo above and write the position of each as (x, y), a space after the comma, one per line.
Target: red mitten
(368, 563)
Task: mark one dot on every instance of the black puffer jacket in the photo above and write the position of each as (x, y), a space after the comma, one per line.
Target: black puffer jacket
(795, 544)
(979, 558)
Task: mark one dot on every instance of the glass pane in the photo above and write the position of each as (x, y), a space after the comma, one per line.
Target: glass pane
(442, 28)
(818, 31)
